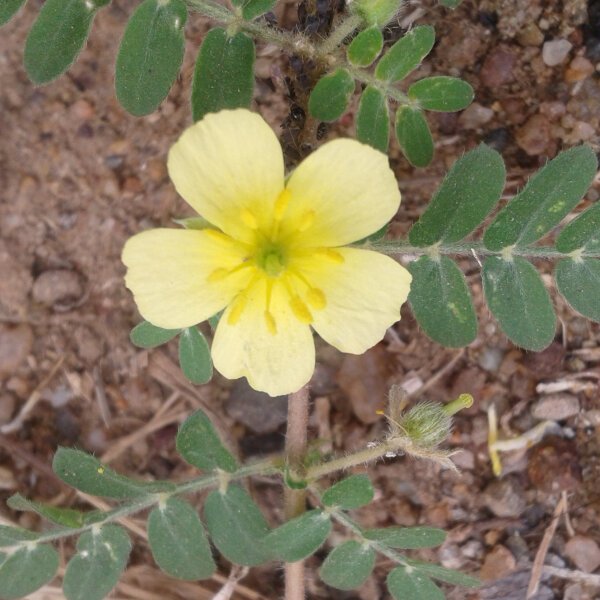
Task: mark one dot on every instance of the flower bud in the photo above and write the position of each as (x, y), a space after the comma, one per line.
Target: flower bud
(427, 424)
(376, 12)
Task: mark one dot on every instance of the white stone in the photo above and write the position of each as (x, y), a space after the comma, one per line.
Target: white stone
(554, 52)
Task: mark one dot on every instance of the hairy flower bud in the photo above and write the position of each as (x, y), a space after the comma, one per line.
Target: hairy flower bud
(376, 12)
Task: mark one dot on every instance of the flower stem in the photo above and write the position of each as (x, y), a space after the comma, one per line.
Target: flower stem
(295, 499)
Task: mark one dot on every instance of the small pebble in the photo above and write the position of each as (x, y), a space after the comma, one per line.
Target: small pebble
(582, 132)
(553, 109)
(554, 52)
(498, 68)
(490, 358)
(583, 552)
(535, 136)
(556, 407)
(530, 35)
(504, 498)
(554, 465)
(15, 345)
(464, 459)
(7, 408)
(497, 563)
(579, 69)
(58, 285)
(475, 115)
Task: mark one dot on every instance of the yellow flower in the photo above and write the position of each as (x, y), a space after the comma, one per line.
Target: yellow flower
(273, 255)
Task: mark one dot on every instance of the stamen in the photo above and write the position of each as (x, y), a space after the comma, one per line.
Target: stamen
(249, 219)
(221, 273)
(271, 324)
(217, 235)
(316, 298)
(300, 310)
(306, 220)
(238, 308)
(331, 254)
(281, 204)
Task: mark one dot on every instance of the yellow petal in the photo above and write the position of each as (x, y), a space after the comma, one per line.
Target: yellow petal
(348, 190)
(276, 360)
(168, 271)
(229, 167)
(363, 295)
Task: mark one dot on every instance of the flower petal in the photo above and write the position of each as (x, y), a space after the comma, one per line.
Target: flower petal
(278, 363)
(363, 297)
(229, 165)
(167, 271)
(348, 187)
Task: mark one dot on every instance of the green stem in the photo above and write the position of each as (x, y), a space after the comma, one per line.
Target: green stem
(338, 35)
(265, 467)
(369, 79)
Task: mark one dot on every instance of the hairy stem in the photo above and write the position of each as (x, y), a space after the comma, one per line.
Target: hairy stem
(295, 500)
(339, 34)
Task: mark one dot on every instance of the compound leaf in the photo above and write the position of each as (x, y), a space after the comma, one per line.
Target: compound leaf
(407, 537)
(349, 493)
(178, 541)
(101, 558)
(548, 196)
(27, 570)
(406, 583)
(373, 119)
(150, 55)
(443, 94)
(57, 37)
(8, 9)
(441, 302)
(365, 47)
(146, 335)
(518, 299)
(330, 96)
(406, 54)
(582, 232)
(414, 136)
(237, 527)
(579, 282)
(348, 565)
(467, 194)
(86, 473)
(198, 443)
(224, 73)
(300, 537)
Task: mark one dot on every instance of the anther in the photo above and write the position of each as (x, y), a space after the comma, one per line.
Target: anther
(331, 254)
(271, 324)
(281, 204)
(249, 219)
(316, 298)
(306, 220)
(300, 310)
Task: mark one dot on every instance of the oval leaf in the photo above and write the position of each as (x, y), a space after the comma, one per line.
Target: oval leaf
(86, 473)
(27, 570)
(8, 9)
(548, 196)
(237, 527)
(68, 517)
(406, 54)
(146, 335)
(443, 94)
(365, 47)
(253, 8)
(582, 232)
(406, 583)
(150, 55)
(467, 195)
(518, 299)
(441, 302)
(194, 356)
(447, 575)
(101, 558)
(373, 119)
(13, 536)
(414, 136)
(300, 537)
(348, 565)
(330, 96)
(57, 37)
(178, 541)
(352, 492)
(198, 443)
(579, 282)
(224, 73)
(407, 537)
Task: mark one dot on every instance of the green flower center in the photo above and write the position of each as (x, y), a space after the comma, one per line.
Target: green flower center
(272, 259)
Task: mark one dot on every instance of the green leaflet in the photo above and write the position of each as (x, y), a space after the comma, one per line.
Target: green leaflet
(582, 232)
(8, 9)
(447, 575)
(406, 54)
(146, 335)
(330, 96)
(518, 299)
(444, 94)
(253, 8)
(579, 282)
(548, 196)
(194, 356)
(414, 136)
(198, 443)
(101, 558)
(407, 537)
(467, 195)
(351, 492)
(12, 536)
(178, 541)
(348, 565)
(373, 119)
(224, 73)
(150, 55)
(57, 37)
(365, 47)
(406, 583)
(441, 302)
(67, 517)
(27, 570)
